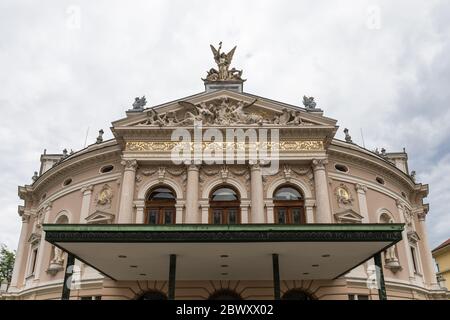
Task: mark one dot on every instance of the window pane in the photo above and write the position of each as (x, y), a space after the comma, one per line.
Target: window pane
(296, 215)
(413, 256)
(168, 216)
(33, 261)
(217, 216)
(232, 216)
(281, 216)
(287, 193)
(224, 194)
(161, 194)
(153, 216)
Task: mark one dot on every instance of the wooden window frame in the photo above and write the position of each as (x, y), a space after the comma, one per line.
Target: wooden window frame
(161, 206)
(289, 205)
(225, 206)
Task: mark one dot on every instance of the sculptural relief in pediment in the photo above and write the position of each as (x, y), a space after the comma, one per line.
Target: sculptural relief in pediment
(223, 112)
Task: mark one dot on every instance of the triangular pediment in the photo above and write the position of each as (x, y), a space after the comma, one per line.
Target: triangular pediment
(348, 216)
(100, 217)
(224, 109)
(259, 111)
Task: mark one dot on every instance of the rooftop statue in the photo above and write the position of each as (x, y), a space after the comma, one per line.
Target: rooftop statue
(139, 103)
(223, 61)
(309, 102)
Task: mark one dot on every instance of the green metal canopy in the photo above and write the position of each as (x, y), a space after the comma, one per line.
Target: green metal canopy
(310, 251)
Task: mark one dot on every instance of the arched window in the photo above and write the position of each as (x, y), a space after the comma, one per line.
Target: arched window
(224, 206)
(288, 206)
(160, 206)
(225, 294)
(297, 294)
(62, 219)
(152, 295)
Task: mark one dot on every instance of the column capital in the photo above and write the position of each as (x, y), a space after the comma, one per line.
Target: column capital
(319, 164)
(362, 188)
(139, 204)
(310, 203)
(192, 167)
(421, 216)
(129, 164)
(24, 215)
(192, 162)
(421, 212)
(245, 203)
(87, 189)
(267, 204)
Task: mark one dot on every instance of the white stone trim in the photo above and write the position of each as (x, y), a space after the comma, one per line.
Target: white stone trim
(64, 212)
(382, 211)
(211, 184)
(54, 286)
(391, 283)
(142, 192)
(293, 181)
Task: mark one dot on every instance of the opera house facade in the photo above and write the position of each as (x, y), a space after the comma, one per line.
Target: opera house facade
(224, 195)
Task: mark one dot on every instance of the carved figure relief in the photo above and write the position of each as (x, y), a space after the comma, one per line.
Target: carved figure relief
(57, 262)
(343, 195)
(222, 112)
(104, 197)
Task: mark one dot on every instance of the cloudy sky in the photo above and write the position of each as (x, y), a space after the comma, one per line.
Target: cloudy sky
(67, 67)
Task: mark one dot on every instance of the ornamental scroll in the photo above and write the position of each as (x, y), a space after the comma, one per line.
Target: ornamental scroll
(289, 146)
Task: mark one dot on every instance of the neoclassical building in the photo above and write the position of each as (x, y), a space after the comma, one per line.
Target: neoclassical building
(151, 214)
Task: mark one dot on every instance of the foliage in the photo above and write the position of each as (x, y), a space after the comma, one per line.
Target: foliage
(6, 263)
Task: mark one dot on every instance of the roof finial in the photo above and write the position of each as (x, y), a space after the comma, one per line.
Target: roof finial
(138, 104)
(310, 104)
(348, 138)
(100, 136)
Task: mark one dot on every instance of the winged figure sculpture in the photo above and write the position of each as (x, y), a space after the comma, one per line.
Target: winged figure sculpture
(223, 61)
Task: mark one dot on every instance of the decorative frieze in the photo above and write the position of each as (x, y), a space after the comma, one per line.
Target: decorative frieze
(165, 146)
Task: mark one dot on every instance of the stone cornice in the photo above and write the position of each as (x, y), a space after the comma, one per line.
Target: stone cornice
(74, 163)
(243, 96)
(368, 160)
(78, 186)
